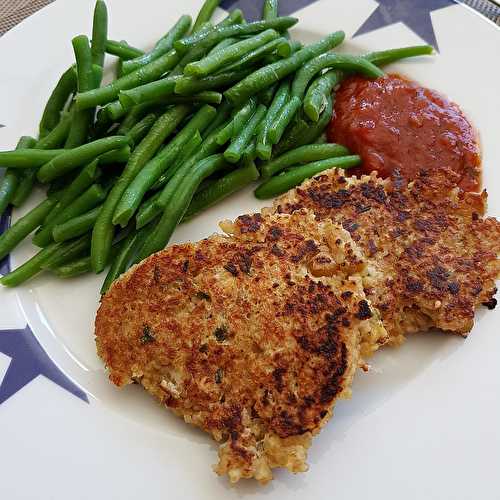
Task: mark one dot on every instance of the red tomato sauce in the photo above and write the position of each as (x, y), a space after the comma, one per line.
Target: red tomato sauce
(393, 123)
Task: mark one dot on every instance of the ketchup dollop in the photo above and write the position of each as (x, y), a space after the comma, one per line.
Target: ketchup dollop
(394, 123)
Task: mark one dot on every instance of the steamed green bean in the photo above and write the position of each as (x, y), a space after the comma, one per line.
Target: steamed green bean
(281, 183)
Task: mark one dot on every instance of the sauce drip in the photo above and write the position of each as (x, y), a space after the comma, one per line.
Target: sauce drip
(393, 123)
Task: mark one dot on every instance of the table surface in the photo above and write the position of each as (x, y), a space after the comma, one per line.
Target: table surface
(12, 12)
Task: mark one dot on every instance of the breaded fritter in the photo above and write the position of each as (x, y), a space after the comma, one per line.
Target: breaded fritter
(432, 257)
(244, 337)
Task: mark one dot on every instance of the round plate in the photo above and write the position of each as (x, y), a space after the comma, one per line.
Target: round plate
(422, 423)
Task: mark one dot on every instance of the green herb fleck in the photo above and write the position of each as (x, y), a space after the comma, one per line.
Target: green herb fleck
(220, 333)
(203, 295)
(147, 335)
(218, 376)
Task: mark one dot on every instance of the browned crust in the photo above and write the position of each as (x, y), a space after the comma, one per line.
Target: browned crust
(432, 256)
(241, 340)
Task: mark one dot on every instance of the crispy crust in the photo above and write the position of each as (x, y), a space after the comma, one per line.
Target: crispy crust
(432, 257)
(240, 338)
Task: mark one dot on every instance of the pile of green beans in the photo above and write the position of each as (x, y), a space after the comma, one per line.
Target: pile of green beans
(209, 110)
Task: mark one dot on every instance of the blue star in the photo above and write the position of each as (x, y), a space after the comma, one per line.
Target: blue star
(4, 225)
(253, 8)
(29, 361)
(415, 14)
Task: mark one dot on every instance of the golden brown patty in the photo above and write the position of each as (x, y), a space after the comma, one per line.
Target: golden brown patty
(432, 257)
(242, 338)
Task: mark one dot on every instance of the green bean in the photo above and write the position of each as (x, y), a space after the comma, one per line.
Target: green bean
(392, 55)
(145, 74)
(27, 142)
(225, 134)
(78, 132)
(305, 132)
(184, 188)
(11, 180)
(221, 189)
(66, 86)
(235, 126)
(334, 61)
(234, 152)
(88, 200)
(197, 53)
(70, 191)
(318, 92)
(242, 117)
(120, 155)
(162, 91)
(137, 133)
(222, 45)
(57, 136)
(189, 85)
(148, 92)
(212, 63)
(73, 269)
(81, 119)
(30, 268)
(133, 117)
(223, 112)
(25, 187)
(250, 153)
(268, 75)
(8, 186)
(98, 73)
(256, 55)
(284, 118)
(24, 226)
(116, 110)
(122, 49)
(169, 191)
(128, 248)
(164, 45)
(67, 252)
(285, 181)
(151, 172)
(300, 155)
(148, 211)
(264, 145)
(188, 151)
(189, 148)
(67, 193)
(206, 96)
(81, 155)
(295, 46)
(205, 14)
(102, 124)
(28, 158)
(57, 186)
(270, 9)
(207, 148)
(267, 95)
(26, 178)
(207, 41)
(204, 184)
(76, 226)
(99, 34)
(192, 55)
(102, 234)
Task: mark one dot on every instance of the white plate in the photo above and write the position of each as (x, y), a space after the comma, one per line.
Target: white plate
(422, 424)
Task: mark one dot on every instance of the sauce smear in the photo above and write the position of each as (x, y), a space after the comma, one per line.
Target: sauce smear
(393, 123)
